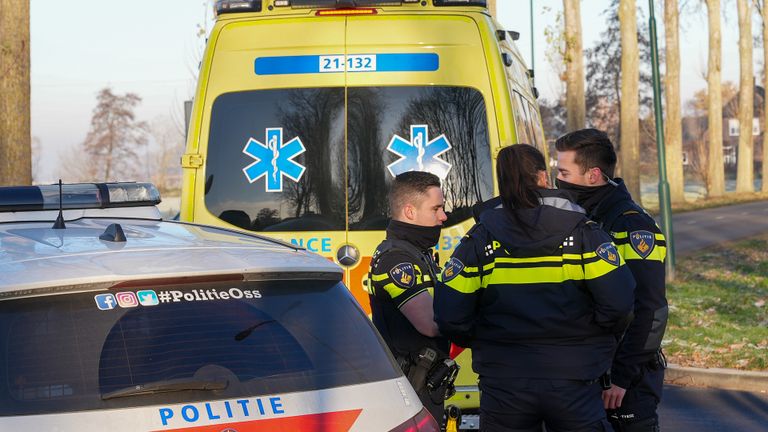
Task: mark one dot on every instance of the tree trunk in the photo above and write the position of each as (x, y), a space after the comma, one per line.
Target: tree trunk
(765, 97)
(673, 135)
(15, 136)
(630, 94)
(745, 167)
(574, 66)
(492, 7)
(715, 166)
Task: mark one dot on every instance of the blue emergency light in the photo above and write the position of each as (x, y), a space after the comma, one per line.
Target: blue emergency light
(77, 196)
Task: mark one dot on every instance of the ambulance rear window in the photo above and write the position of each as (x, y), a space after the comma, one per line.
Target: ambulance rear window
(322, 159)
(70, 352)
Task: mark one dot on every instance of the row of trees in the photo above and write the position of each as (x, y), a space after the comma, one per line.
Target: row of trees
(621, 83)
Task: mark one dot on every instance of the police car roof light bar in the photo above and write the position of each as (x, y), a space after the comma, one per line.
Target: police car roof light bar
(77, 196)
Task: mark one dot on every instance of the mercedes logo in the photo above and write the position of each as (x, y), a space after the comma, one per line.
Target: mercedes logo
(348, 255)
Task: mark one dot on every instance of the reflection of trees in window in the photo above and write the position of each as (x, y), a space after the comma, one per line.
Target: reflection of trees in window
(309, 114)
(266, 217)
(459, 113)
(366, 183)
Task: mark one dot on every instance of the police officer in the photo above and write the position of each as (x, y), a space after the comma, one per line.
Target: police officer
(539, 293)
(401, 279)
(585, 164)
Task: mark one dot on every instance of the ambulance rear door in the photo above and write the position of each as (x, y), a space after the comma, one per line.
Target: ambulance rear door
(420, 100)
(273, 131)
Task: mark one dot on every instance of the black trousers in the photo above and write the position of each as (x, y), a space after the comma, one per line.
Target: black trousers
(638, 409)
(526, 405)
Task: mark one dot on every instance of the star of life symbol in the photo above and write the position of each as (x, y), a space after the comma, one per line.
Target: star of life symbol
(419, 154)
(274, 159)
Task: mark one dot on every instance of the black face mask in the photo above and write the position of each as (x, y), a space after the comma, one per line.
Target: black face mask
(579, 193)
(586, 196)
(423, 237)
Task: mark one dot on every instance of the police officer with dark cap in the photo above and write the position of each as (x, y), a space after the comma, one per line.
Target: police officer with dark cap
(585, 164)
(401, 278)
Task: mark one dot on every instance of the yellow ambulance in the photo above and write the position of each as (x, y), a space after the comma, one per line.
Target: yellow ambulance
(305, 111)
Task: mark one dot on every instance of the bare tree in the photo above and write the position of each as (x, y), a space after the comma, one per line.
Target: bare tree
(73, 168)
(745, 163)
(764, 13)
(164, 161)
(574, 60)
(698, 108)
(716, 174)
(115, 136)
(673, 138)
(630, 109)
(15, 132)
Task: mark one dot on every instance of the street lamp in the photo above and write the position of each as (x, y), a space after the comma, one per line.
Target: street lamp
(664, 203)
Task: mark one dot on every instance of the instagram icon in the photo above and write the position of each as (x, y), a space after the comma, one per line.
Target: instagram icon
(127, 299)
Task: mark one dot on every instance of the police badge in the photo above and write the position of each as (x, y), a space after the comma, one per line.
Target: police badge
(642, 242)
(452, 269)
(403, 275)
(608, 253)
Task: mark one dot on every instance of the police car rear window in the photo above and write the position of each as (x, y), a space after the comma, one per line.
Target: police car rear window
(322, 159)
(77, 351)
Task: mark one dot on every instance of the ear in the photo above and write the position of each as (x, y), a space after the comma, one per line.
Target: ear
(594, 176)
(543, 180)
(409, 212)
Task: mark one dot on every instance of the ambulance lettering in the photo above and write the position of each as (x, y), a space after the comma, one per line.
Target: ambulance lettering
(314, 244)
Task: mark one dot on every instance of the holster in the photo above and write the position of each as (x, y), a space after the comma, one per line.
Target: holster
(431, 373)
(419, 370)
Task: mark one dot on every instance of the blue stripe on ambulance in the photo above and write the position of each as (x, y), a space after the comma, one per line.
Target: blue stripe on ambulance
(422, 62)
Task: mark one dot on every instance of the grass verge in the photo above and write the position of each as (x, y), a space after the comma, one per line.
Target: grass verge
(719, 308)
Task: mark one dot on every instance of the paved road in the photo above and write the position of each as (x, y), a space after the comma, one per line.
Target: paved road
(702, 228)
(713, 410)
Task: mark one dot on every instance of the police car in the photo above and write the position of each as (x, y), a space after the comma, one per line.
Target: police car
(112, 319)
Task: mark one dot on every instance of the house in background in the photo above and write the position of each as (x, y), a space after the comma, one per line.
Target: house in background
(695, 129)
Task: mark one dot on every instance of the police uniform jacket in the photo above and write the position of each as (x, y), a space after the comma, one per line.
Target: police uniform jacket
(539, 295)
(397, 276)
(643, 246)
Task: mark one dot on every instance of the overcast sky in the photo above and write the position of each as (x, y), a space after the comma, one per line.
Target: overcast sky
(151, 48)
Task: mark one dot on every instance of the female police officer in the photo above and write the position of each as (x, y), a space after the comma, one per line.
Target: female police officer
(539, 293)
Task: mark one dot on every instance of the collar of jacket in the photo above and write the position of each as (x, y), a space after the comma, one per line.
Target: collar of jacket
(549, 197)
(618, 194)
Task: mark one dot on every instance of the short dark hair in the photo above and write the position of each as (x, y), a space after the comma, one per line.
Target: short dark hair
(517, 173)
(409, 187)
(593, 149)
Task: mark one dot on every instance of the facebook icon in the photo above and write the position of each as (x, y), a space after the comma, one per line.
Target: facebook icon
(105, 301)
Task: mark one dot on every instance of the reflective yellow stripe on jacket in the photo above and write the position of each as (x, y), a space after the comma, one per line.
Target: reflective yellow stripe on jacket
(548, 269)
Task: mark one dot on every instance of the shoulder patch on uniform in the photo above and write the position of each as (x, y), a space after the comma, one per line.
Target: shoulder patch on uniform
(642, 242)
(452, 269)
(608, 253)
(403, 275)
